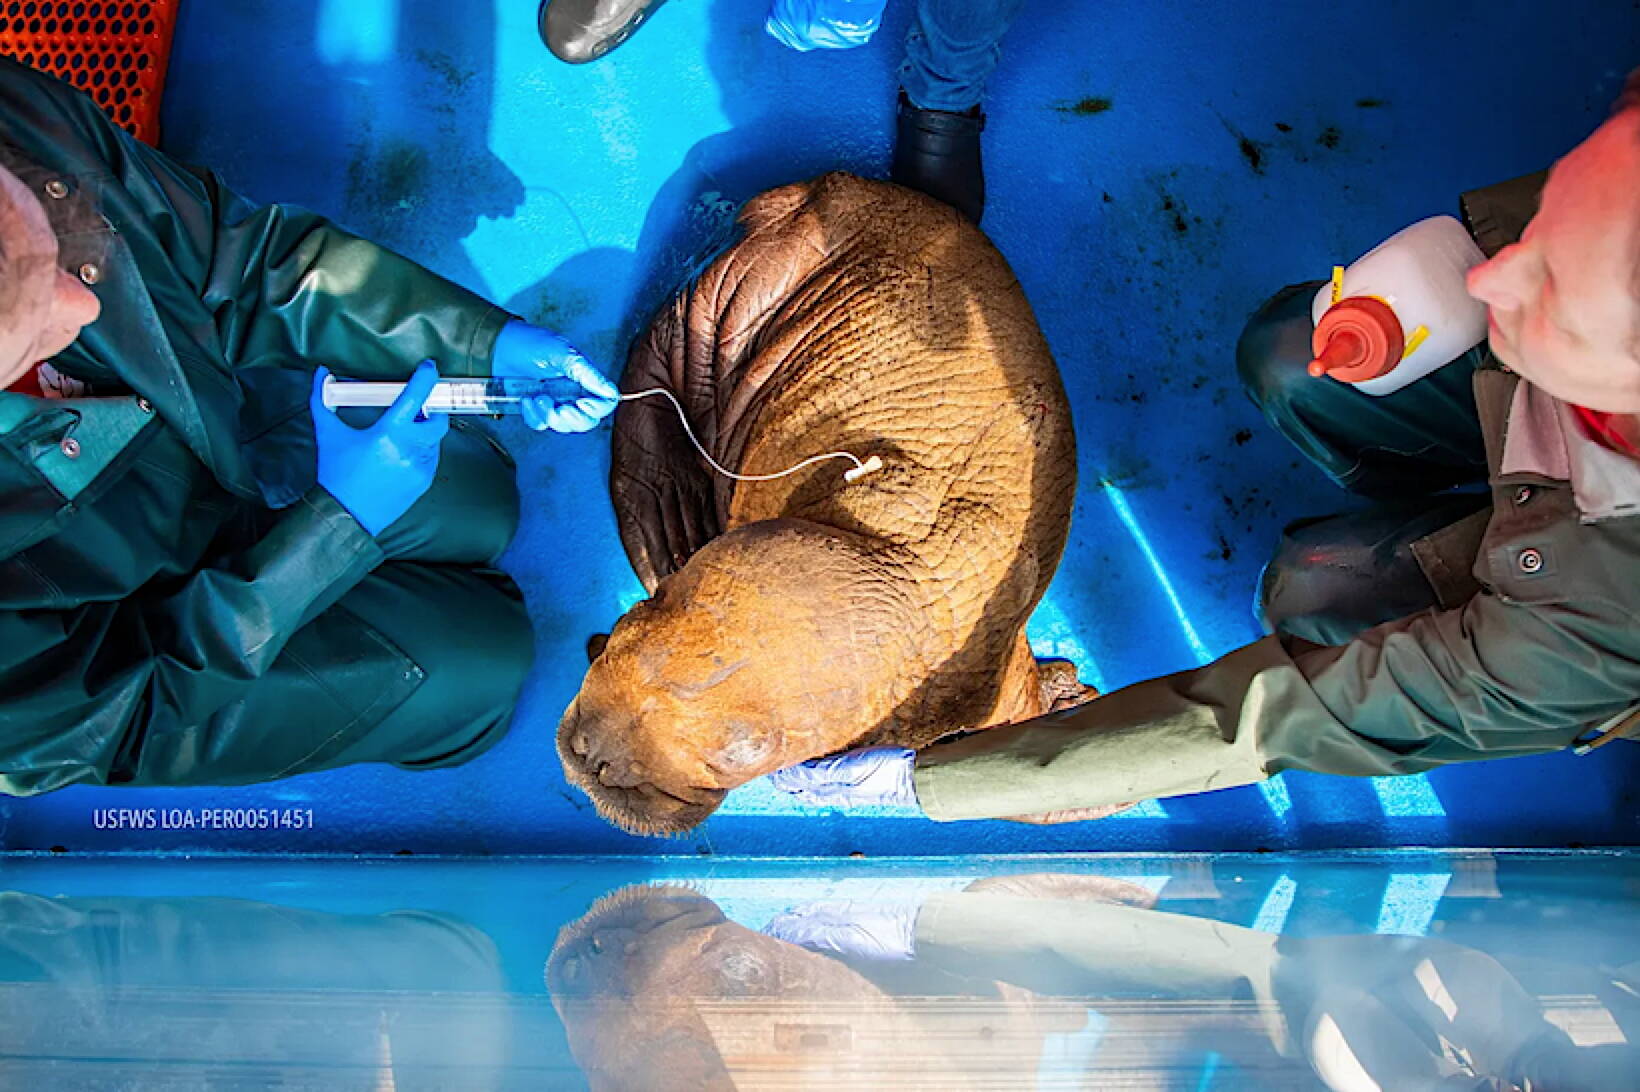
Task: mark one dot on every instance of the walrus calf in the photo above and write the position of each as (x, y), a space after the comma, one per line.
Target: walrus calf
(799, 616)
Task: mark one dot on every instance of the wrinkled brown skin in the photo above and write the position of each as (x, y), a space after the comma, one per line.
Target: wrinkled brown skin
(793, 618)
(657, 989)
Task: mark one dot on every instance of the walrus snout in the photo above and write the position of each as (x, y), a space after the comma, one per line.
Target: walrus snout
(595, 752)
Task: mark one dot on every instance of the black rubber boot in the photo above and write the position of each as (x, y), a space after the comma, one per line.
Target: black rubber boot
(938, 153)
(579, 31)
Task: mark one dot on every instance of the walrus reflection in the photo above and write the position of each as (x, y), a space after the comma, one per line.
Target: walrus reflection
(659, 990)
(1073, 981)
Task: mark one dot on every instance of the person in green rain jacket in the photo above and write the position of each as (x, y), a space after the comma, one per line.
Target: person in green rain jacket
(1433, 628)
(192, 589)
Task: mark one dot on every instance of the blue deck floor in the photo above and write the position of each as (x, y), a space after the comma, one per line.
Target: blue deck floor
(1244, 147)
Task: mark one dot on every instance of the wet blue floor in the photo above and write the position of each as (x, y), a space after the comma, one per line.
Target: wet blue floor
(1164, 972)
(1156, 168)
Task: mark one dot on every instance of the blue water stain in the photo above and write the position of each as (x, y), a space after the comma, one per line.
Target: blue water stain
(1210, 1069)
(1272, 913)
(1410, 901)
(357, 31)
(1408, 797)
(1274, 791)
(1125, 513)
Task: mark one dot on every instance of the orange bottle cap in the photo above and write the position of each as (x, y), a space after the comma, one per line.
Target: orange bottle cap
(1358, 339)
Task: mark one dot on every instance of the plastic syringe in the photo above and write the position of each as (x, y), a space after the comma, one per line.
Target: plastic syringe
(457, 396)
(492, 396)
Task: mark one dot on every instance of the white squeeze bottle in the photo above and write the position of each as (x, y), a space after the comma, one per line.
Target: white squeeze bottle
(1401, 310)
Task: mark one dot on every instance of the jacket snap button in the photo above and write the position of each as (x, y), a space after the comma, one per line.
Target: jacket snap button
(1530, 562)
(145, 406)
(57, 189)
(1523, 494)
(89, 273)
(70, 447)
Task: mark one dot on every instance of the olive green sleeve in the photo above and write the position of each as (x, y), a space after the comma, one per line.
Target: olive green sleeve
(1080, 946)
(1490, 679)
(1184, 733)
(82, 683)
(283, 281)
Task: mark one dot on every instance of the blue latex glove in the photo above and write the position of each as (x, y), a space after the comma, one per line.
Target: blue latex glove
(844, 927)
(377, 473)
(824, 24)
(523, 351)
(876, 775)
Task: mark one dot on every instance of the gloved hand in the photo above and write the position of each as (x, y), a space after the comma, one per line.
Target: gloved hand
(377, 473)
(861, 930)
(523, 351)
(823, 24)
(876, 775)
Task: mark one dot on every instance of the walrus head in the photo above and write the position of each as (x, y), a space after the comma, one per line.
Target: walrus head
(656, 988)
(750, 658)
(630, 971)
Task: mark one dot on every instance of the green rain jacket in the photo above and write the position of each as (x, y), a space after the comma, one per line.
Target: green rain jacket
(121, 622)
(1534, 647)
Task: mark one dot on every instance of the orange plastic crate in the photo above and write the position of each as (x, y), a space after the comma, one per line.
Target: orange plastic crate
(116, 52)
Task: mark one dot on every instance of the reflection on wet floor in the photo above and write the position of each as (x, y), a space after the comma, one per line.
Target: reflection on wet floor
(1391, 971)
